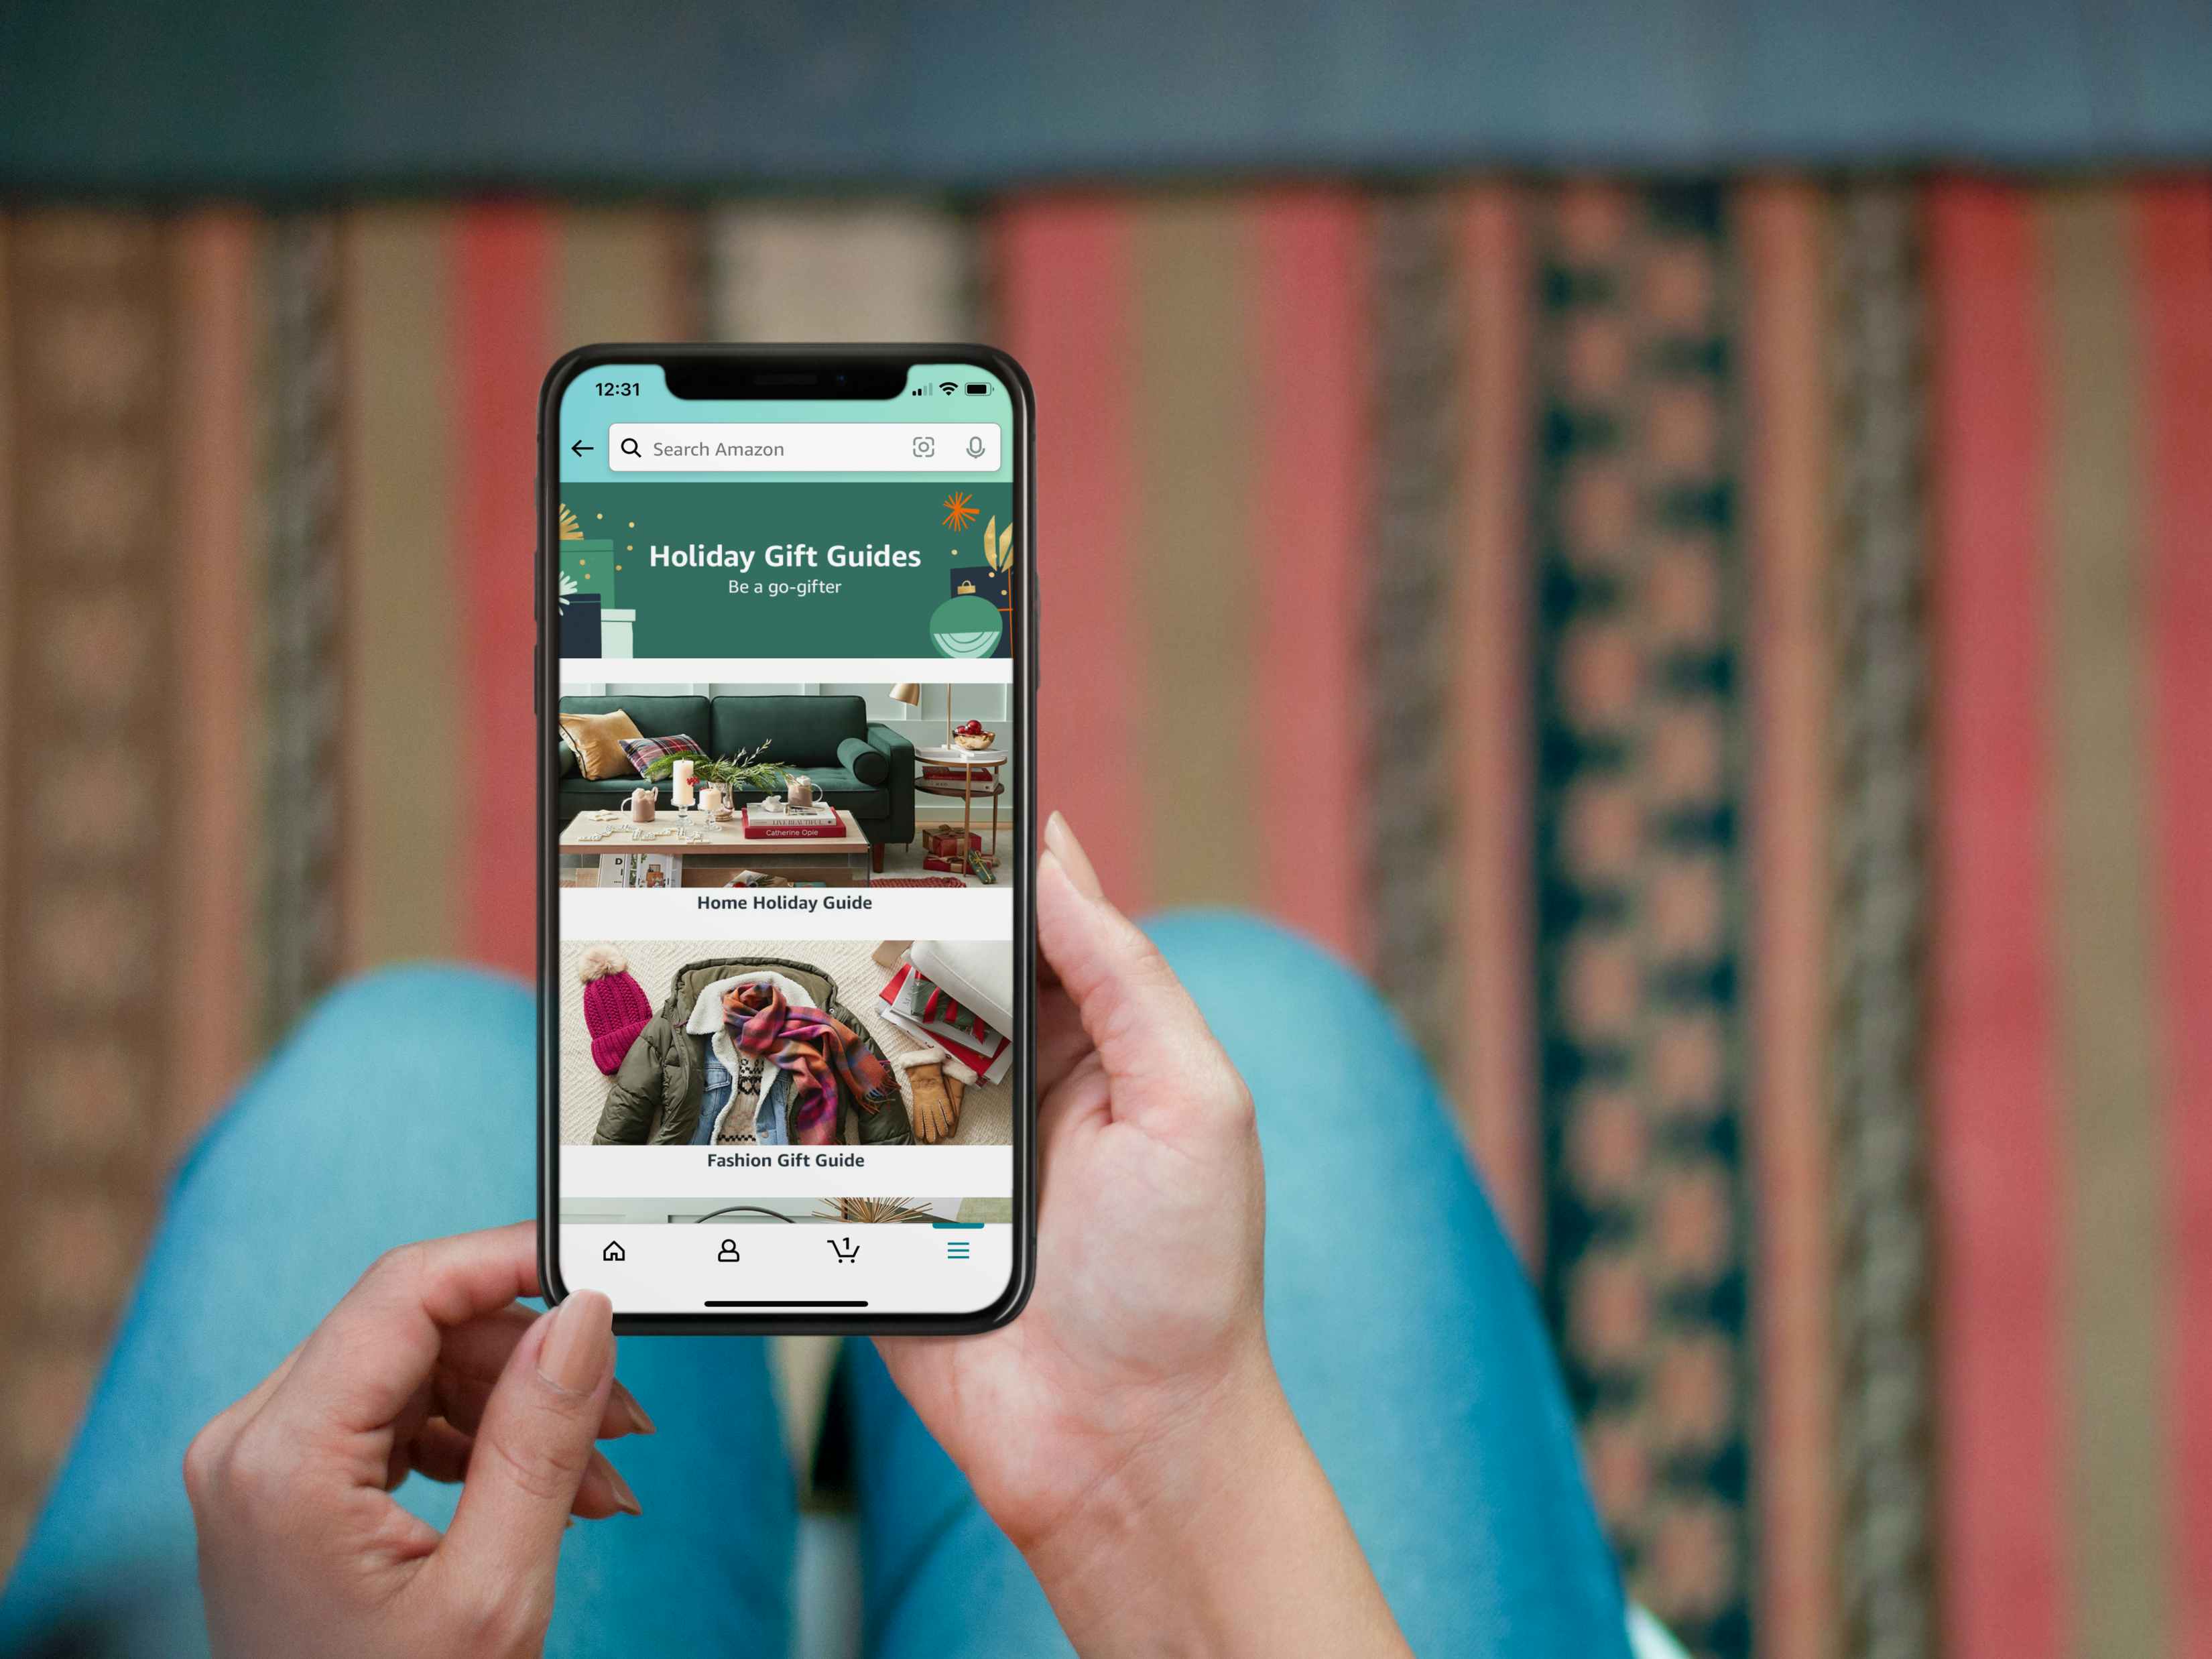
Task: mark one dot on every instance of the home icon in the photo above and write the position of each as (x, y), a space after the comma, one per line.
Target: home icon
(614, 1252)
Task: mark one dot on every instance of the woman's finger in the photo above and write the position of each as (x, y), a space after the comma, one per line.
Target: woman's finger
(532, 1451)
(1144, 1024)
(233, 1418)
(441, 1452)
(473, 1356)
(377, 1346)
(1061, 1039)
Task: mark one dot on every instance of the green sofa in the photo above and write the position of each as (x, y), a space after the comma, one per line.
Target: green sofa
(865, 767)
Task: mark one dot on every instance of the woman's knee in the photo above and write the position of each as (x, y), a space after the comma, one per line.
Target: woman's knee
(406, 1085)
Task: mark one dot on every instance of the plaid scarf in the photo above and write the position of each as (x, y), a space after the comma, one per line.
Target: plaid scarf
(818, 1052)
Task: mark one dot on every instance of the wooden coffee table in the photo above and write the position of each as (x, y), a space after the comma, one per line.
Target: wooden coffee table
(721, 850)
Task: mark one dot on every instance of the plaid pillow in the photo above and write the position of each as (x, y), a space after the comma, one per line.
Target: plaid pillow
(656, 757)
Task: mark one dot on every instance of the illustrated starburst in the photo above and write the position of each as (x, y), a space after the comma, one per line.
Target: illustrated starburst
(960, 510)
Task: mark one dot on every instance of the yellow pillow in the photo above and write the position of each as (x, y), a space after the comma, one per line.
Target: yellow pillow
(597, 739)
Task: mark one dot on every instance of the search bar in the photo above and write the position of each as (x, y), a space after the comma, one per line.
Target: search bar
(803, 447)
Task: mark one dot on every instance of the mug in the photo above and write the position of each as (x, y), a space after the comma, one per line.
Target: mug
(640, 805)
(802, 791)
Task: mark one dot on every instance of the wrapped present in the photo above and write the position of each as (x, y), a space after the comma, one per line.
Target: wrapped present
(948, 841)
(978, 865)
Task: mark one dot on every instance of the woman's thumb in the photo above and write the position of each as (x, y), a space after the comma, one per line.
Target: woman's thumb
(532, 1448)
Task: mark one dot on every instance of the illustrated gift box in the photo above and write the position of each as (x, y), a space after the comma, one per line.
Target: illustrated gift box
(587, 571)
(590, 563)
(581, 634)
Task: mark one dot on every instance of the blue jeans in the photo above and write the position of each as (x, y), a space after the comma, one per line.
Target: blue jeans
(1406, 1337)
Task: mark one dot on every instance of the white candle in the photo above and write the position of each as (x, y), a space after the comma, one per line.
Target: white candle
(683, 780)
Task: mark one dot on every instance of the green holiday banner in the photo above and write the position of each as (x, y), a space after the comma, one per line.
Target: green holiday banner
(791, 569)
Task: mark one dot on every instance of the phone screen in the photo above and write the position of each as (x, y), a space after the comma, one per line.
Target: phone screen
(786, 1009)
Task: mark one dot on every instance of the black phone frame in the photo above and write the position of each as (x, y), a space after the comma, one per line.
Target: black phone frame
(767, 372)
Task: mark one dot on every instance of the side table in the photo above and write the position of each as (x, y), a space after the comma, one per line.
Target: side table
(971, 762)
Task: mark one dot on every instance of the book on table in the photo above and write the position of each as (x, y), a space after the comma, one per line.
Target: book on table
(819, 822)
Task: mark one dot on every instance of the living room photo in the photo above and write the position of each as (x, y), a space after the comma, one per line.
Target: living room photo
(790, 1042)
(896, 783)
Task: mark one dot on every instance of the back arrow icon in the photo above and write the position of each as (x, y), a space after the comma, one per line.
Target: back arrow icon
(578, 448)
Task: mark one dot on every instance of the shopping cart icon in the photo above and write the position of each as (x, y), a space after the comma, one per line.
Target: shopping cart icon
(844, 1250)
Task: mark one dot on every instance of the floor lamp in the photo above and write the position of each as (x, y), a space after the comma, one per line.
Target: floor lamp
(908, 692)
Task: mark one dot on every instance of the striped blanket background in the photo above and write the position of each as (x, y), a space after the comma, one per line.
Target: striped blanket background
(1733, 659)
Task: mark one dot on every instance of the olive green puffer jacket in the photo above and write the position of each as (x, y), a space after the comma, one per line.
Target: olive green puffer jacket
(653, 1099)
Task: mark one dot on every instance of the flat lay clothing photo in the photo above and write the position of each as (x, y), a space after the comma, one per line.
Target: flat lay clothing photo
(828, 1070)
(1431, 1399)
(830, 1064)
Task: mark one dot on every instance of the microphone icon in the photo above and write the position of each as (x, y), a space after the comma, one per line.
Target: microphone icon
(975, 448)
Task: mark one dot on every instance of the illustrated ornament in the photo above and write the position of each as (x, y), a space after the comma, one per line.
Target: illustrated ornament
(959, 510)
(966, 625)
(568, 587)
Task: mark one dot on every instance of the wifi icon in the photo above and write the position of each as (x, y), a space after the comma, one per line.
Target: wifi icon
(948, 387)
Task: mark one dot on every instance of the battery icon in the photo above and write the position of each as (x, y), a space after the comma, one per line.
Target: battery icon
(978, 388)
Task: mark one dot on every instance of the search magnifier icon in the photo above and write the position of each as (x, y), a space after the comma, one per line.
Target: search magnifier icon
(629, 448)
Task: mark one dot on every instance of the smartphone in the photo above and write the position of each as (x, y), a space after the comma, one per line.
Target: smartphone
(786, 683)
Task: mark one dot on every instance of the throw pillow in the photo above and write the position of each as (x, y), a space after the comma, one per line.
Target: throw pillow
(598, 741)
(868, 764)
(656, 757)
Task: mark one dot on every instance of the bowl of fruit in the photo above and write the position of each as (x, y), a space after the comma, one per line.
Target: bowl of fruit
(971, 735)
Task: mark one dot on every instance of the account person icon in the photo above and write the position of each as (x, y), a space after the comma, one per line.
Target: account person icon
(728, 1252)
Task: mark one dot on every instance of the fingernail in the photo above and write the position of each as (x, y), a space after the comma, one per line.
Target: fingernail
(630, 1412)
(625, 1499)
(579, 1343)
(1073, 858)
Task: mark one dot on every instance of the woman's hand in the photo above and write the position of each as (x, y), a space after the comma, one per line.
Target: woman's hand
(1127, 1431)
(427, 1366)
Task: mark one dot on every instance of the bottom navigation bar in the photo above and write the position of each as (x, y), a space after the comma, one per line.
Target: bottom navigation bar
(827, 1267)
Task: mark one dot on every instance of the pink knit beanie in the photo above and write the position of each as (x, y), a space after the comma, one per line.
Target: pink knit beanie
(615, 1008)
